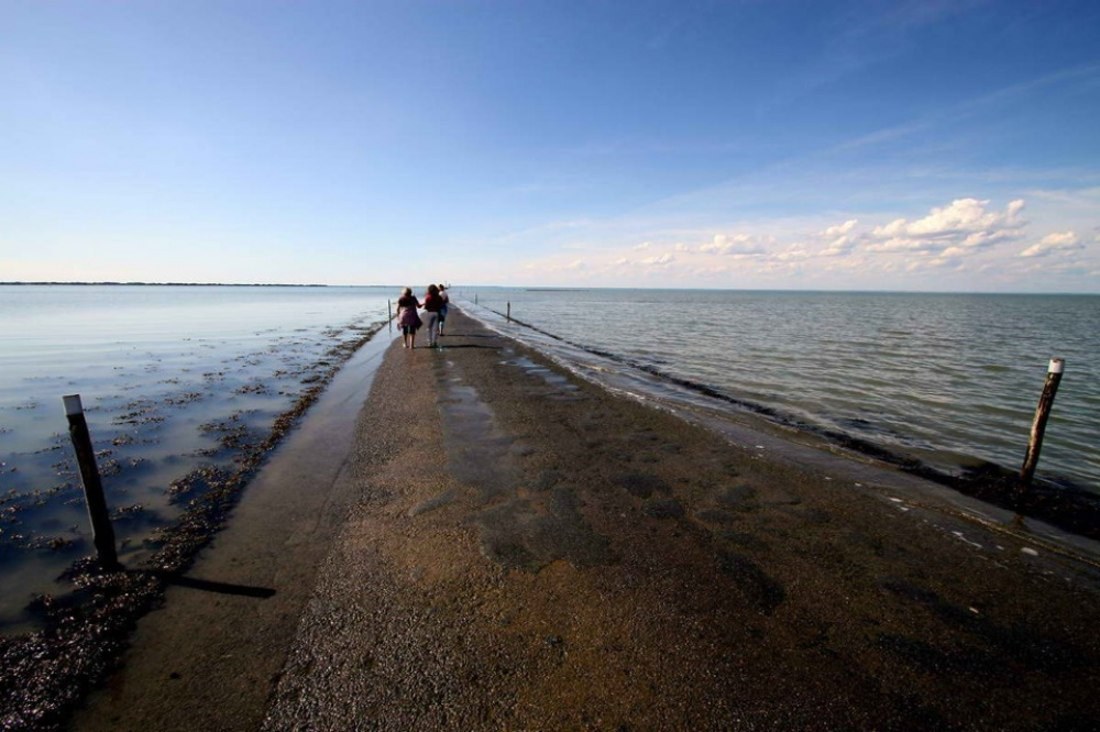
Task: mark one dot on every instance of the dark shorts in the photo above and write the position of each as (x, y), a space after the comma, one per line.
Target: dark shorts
(408, 330)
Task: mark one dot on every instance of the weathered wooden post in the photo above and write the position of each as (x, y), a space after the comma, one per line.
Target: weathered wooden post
(509, 315)
(103, 536)
(1039, 424)
(389, 306)
(475, 298)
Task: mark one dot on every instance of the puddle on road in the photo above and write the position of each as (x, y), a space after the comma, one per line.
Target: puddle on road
(522, 525)
(560, 388)
(477, 452)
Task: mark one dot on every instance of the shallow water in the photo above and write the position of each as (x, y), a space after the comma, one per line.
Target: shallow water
(177, 382)
(949, 380)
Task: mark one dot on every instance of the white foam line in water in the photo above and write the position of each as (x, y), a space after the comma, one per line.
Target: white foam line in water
(962, 537)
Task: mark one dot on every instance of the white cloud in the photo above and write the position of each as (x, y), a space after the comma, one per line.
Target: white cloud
(839, 239)
(793, 254)
(1065, 241)
(737, 245)
(839, 229)
(965, 226)
(659, 260)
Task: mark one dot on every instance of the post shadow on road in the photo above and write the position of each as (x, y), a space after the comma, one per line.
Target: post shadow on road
(195, 583)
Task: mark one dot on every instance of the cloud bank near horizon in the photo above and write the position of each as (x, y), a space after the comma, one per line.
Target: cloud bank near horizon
(966, 244)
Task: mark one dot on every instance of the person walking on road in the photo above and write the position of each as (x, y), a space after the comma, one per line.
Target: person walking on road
(407, 317)
(443, 310)
(432, 304)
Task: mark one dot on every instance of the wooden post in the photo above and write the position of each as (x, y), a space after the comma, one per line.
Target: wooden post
(389, 306)
(475, 298)
(103, 536)
(509, 311)
(1039, 424)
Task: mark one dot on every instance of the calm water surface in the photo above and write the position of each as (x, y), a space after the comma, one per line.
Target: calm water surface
(947, 379)
(173, 379)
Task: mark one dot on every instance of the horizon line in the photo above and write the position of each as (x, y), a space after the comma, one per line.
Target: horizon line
(530, 288)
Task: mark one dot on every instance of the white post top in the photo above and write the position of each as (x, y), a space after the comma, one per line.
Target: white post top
(73, 406)
(1057, 365)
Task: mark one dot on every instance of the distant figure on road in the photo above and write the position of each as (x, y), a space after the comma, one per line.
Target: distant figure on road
(407, 317)
(443, 310)
(432, 303)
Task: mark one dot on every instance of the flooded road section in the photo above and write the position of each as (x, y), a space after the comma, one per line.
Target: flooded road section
(521, 523)
(237, 598)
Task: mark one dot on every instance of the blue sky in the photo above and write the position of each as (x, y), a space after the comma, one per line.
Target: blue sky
(804, 145)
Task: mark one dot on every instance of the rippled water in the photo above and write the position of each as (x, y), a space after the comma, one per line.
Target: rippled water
(947, 379)
(173, 380)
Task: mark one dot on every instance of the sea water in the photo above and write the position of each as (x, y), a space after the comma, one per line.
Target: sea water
(172, 378)
(948, 380)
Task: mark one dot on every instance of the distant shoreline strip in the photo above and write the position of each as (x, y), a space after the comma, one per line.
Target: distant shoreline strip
(162, 284)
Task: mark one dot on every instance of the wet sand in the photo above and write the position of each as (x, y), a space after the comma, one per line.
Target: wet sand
(508, 547)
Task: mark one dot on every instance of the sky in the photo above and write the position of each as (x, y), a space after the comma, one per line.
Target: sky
(848, 145)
